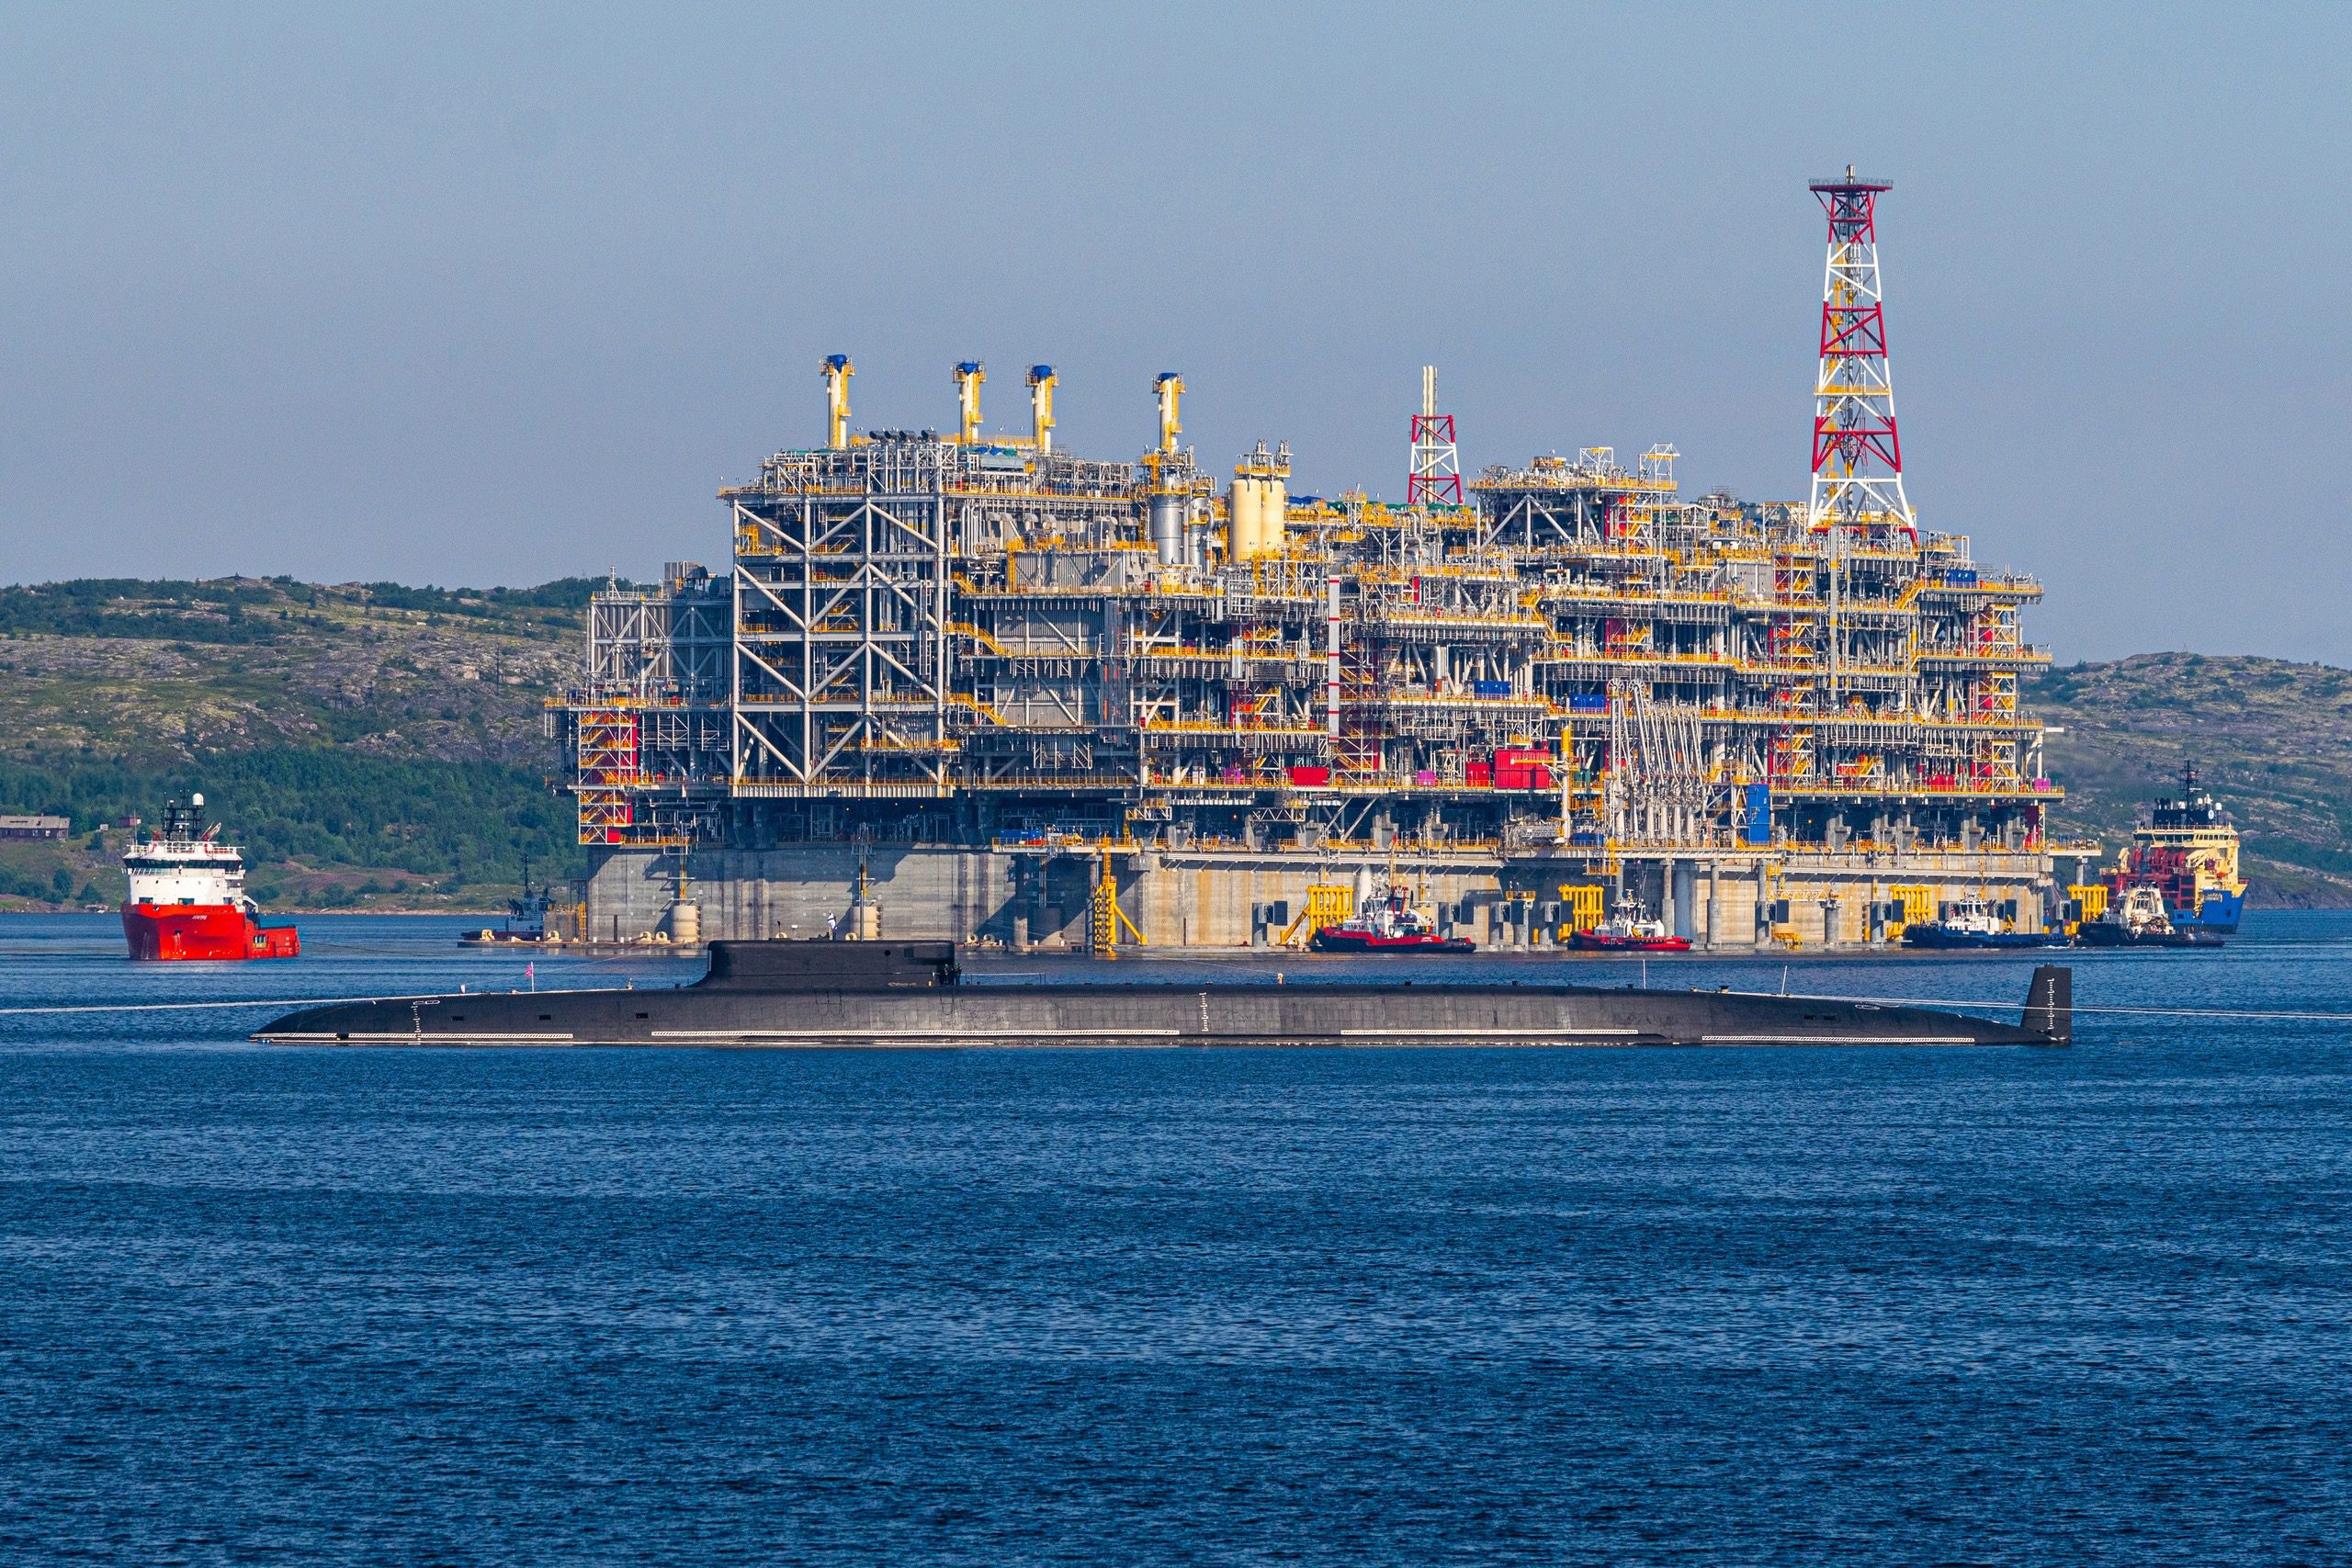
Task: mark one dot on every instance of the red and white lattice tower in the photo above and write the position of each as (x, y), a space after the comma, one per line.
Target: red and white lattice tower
(1436, 467)
(1857, 456)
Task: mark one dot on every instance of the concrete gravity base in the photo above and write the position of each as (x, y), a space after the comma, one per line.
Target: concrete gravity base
(1225, 900)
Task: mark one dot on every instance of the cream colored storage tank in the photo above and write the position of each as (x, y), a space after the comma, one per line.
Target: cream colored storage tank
(1271, 522)
(1241, 522)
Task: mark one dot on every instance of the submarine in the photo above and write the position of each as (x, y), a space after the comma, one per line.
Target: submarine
(913, 994)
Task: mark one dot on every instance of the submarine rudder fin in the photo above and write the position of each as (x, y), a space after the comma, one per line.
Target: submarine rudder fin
(2050, 1003)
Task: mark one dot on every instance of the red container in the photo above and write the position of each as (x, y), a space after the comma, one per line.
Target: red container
(1304, 775)
(1482, 775)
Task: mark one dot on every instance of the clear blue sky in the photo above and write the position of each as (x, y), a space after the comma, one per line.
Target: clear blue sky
(461, 295)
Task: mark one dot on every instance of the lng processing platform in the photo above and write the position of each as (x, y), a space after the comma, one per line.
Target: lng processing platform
(980, 689)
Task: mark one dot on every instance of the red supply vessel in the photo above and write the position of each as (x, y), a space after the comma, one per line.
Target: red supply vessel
(187, 896)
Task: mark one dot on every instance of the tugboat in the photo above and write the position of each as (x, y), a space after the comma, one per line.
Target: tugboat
(188, 896)
(2139, 919)
(1629, 930)
(1387, 925)
(2189, 853)
(1972, 924)
(527, 921)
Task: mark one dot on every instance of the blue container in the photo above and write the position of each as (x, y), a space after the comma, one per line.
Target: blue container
(1588, 701)
(1490, 688)
(1760, 814)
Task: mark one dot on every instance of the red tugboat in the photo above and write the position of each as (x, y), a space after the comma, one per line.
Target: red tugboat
(187, 896)
(1387, 925)
(1628, 931)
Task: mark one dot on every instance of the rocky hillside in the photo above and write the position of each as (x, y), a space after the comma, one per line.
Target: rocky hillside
(150, 673)
(2272, 739)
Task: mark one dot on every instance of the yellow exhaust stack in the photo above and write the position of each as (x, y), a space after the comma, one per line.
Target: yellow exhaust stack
(1169, 387)
(1041, 405)
(837, 372)
(968, 376)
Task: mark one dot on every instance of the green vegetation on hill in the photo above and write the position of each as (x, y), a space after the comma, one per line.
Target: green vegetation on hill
(251, 610)
(308, 819)
(121, 607)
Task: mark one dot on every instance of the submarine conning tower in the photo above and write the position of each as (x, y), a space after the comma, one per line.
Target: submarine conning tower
(831, 965)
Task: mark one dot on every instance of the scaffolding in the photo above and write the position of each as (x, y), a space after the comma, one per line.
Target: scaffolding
(915, 618)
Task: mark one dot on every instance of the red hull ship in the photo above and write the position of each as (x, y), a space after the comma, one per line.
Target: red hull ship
(1629, 932)
(187, 898)
(1391, 925)
(1334, 939)
(1595, 941)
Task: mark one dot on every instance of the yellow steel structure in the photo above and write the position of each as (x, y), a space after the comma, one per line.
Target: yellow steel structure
(1105, 920)
(1327, 904)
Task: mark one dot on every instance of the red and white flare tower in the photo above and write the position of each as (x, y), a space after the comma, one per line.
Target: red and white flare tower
(1857, 456)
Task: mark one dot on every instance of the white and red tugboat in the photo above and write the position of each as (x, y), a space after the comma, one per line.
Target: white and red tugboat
(1629, 930)
(188, 896)
(1387, 925)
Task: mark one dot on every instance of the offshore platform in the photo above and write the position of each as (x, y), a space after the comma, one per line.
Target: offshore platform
(983, 689)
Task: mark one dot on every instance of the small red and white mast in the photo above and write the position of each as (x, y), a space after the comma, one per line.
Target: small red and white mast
(1436, 467)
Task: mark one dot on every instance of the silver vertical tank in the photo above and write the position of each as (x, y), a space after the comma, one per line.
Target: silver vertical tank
(1167, 528)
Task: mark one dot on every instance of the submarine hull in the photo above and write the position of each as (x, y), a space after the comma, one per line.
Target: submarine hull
(774, 997)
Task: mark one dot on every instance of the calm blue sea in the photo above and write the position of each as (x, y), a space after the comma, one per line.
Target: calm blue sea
(262, 1304)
